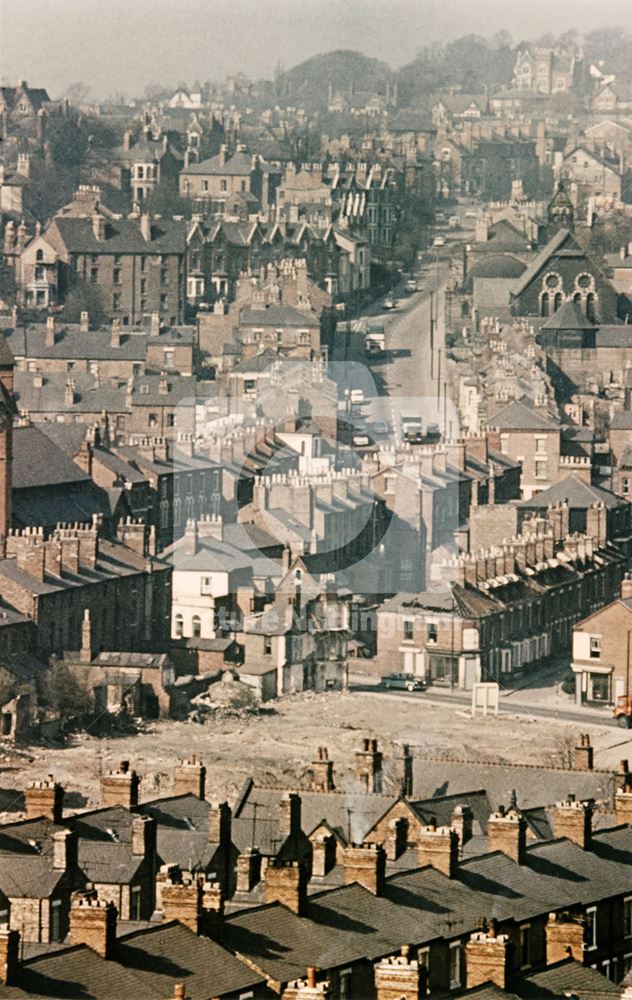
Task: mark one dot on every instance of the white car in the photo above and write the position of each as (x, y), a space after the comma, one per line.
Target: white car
(389, 302)
(411, 285)
(356, 397)
(439, 241)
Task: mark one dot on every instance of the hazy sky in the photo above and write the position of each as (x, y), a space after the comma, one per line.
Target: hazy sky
(123, 45)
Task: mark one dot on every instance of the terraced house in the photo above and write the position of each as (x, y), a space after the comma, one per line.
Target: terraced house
(138, 264)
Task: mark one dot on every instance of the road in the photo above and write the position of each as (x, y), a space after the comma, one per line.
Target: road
(410, 379)
(460, 699)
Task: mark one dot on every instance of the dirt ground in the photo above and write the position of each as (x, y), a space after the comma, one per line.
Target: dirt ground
(279, 744)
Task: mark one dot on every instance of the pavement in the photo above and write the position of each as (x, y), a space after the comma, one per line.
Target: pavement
(542, 701)
(407, 381)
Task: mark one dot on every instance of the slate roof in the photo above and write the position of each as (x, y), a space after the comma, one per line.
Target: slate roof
(182, 831)
(71, 342)
(570, 316)
(237, 165)
(423, 905)
(556, 242)
(67, 437)
(409, 120)
(565, 979)
(517, 416)
(212, 554)
(578, 494)
(122, 236)
(277, 316)
(496, 265)
(536, 786)
(146, 390)
(51, 397)
(621, 420)
(467, 602)
(37, 461)
(614, 335)
(146, 963)
(113, 559)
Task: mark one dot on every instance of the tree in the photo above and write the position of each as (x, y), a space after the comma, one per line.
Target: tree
(164, 200)
(64, 693)
(154, 92)
(78, 93)
(8, 691)
(7, 285)
(614, 47)
(85, 296)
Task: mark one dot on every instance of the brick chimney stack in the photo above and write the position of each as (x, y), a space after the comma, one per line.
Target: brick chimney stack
(86, 651)
(323, 854)
(191, 538)
(403, 767)
(399, 977)
(290, 814)
(583, 754)
(286, 883)
(573, 819)
(564, 938)
(145, 227)
(98, 227)
(9, 955)
(154, 329)
(84, 322)
(439, 847)
(180, 895)
(189, 777)
(396, 840)
(623, 805)
(365, 864)
(368, 766)
(487, 958)
(44, 798)
(626, 586)
(248, 870)
(93, 922)
(462, 822)
(51, 331)
(220, 824)
(143, 836)
(64, 850)
(308, 988)
(323, 772)
(115, 335)
(120, 787)
(507, 833)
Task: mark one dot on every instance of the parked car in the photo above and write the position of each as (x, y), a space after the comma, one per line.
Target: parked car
(439, 241)
(389, 302)
(361, 440)
(357, 397)
(380, 427)
(403, 682)
(411, 285)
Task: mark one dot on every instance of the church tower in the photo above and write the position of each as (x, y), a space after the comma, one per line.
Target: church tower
(7, 412)
(561, 212)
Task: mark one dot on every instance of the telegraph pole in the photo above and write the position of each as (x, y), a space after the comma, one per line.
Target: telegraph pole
(431, 334)
(439, 375)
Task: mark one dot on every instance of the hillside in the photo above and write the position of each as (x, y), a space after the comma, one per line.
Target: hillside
(310, 79)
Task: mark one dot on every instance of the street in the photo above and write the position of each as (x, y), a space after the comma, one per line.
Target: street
(410, 379)
(513, 705)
